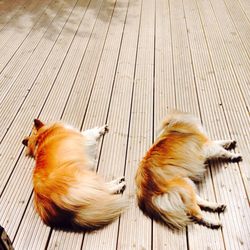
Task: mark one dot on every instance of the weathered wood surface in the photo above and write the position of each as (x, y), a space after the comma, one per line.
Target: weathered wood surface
(125, 63)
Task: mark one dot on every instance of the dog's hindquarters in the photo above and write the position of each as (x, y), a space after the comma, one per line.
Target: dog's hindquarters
(100, 213)
(177, 205)
(87, 203)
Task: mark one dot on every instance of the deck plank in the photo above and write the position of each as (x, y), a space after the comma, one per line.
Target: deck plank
(245, 6)
(239, 69)
(13, 68)
(136, 229)
(236, 36)
(233, 102)
(80, 43)
(164, 100)
(9, 10)
(125, 63)
(108, 17)
(111, 165)
(186, 82)
(22, 86)
(9, 44)
(228, 181)
(29, 110)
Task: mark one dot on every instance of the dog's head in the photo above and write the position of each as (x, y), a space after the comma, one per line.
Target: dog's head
(31, 141)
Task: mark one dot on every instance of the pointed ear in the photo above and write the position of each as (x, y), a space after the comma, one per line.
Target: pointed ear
(25, 142)
(38, 124)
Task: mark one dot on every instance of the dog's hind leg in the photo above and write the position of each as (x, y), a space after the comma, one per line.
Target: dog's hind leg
(195, 214)
(210, 206)
(192, 203)
(199, 219)
(215, 150)
(226, 144)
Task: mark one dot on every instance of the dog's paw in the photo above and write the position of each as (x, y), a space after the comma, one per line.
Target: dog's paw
(103, 130)
(221, 208)
(123, 187)
(230, 145)
(121, 179)
(236, 158)
(117, 186)
(215, 226)
(120, 187)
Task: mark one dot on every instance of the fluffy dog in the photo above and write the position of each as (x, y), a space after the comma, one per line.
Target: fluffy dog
(68, 194)
(164, 179)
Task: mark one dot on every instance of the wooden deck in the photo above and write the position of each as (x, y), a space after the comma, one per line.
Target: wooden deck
(125, 63)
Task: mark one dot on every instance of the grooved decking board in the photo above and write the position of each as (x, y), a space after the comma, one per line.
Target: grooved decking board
(164, 100)
(245, 6)
(125, 63)
(21, 32)
(8, 11)
(236, 36)
(227, 180)
(26, 79)
(12, 70)
(9, 29)
(187, 99)
(136, 229)
(232, 100)
(112, 161)
(48, 114)
(239, 84)
(108, 27)
(186, 96)
(29, 110)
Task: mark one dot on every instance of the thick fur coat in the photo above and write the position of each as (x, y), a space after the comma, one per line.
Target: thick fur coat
(68, 193)
(164, 179)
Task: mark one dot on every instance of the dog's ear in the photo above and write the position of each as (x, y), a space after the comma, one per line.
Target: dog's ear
(25, 142)
(38, 124)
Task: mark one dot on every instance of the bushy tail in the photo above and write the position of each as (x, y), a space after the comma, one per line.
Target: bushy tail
(168, 207)
(100, 212)
(171, 209)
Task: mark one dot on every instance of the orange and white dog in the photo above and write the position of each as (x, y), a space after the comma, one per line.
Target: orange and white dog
(68, 194)
(164, 179)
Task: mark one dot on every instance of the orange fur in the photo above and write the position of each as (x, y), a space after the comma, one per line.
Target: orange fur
(165, 190)
(67, 193)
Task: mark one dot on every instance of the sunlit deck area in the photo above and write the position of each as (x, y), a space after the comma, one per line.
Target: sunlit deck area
(125, 63)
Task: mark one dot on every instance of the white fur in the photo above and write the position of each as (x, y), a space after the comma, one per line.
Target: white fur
(208, 204)
(92, 137)
(116, 185)
(172, 208)
(214, 150)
